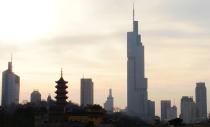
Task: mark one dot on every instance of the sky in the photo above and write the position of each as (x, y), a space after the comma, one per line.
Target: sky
(88, 37)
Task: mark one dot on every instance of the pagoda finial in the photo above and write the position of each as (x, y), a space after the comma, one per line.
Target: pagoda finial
(61, 72)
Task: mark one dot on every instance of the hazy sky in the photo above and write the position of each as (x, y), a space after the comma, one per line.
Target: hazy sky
(89, 37)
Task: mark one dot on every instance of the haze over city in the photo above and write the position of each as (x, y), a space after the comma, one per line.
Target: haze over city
(89, 38)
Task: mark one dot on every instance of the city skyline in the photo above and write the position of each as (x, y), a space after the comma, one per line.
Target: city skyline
(82, 50)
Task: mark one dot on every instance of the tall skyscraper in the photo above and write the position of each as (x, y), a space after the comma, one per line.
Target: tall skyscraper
(188, 110)
(86, 93)
(10, 87)
(201, 101)
(35, 96)
(109, 104)
(137, 97)
(165, 105)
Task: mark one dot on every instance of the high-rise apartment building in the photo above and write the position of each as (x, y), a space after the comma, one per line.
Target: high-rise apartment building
(165, 106)
(201, 101)
(151, 109)
(188, 110)
(171, 113)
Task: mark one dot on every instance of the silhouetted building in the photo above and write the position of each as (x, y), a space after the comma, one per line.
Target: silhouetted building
(171, 113)
(151, 109)
(10, 87)
(165, 105)
(137, 95)
(188, 110)
(57, 112)
(201, 101)
(61, 92)
(35, 96)
(109, 104)
(86, 93)
(49, 98)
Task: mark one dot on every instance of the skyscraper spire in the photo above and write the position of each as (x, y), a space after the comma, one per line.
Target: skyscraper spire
(133, 12)
(10, 64)
(110, 92)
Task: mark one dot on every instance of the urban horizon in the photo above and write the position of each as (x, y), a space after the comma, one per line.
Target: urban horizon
(100, 61)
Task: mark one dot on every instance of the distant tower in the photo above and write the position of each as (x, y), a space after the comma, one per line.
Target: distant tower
(109, 104)
(171, 113)
(10, 86)
(86, 93)
(151, 109)
(165, 105)
(137, 96)
(35, 96)
(201, 101)
(49, 98)
(61, 93)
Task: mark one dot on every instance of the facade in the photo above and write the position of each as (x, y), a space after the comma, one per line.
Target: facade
(109, 104)
(10, 87)
(165, 105)
(201, 101)
(137, 96)
(151, 109)
(172, 113)
(35, 96)
(188, 110)
(86, 93)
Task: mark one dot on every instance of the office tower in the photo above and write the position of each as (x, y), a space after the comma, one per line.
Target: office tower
(109, 104)
(151, 109)
(165, 105)
(35, 96)
(136, 82)
(171, 113)
(86, 93)
(201, 101)
(188, 110)
(10, 87)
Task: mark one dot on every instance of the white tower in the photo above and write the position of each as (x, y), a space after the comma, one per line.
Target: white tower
(109, 104)
(136, 82)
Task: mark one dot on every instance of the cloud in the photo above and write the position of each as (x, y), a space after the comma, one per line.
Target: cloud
(187, 11)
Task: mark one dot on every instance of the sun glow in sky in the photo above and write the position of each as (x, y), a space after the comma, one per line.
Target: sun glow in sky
(26, 20)
(89, 37)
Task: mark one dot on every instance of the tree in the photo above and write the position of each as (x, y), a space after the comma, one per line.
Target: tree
(176, 122)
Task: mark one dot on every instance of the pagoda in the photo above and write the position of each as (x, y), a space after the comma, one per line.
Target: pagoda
(61, 92)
